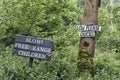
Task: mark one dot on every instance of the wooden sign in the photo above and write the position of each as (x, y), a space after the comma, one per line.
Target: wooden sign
(87, 30)
(87, 27)
(33, 47)
(87, 34)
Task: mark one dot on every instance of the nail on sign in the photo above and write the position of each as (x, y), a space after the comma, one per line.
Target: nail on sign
(33, 47)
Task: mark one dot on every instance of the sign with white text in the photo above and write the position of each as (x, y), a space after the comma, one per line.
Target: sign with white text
(87, 30)
(87, 34)
(87, 27)
(33, 47)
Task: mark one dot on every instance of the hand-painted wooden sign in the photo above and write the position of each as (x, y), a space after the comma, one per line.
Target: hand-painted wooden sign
(33, 47)
(87, 27)
(87, 34)
(87, 30)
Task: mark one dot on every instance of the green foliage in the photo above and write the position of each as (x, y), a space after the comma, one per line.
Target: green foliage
(58, 68)
(36, 18)
(84, 59)
(54, 20)
(108, 38)
(61, 67)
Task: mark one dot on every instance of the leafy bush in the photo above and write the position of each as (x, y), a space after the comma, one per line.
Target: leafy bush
(54, 20)
(36, 18)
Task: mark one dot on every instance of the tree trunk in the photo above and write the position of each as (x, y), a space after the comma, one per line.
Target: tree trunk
(89, 18)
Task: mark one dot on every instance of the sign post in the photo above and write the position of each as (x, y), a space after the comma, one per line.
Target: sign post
(88, 33)
(30, 62)
(33, 47)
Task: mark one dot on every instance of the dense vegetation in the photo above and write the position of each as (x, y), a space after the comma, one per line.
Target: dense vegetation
(54, 20)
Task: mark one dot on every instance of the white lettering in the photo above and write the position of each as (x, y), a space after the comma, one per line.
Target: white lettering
(31, 54)
(21, 46)
(87, 27)
(87, 34)
(23, 53)
(37, 55)
(34, 48)
(32, 40)
(42, 49)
